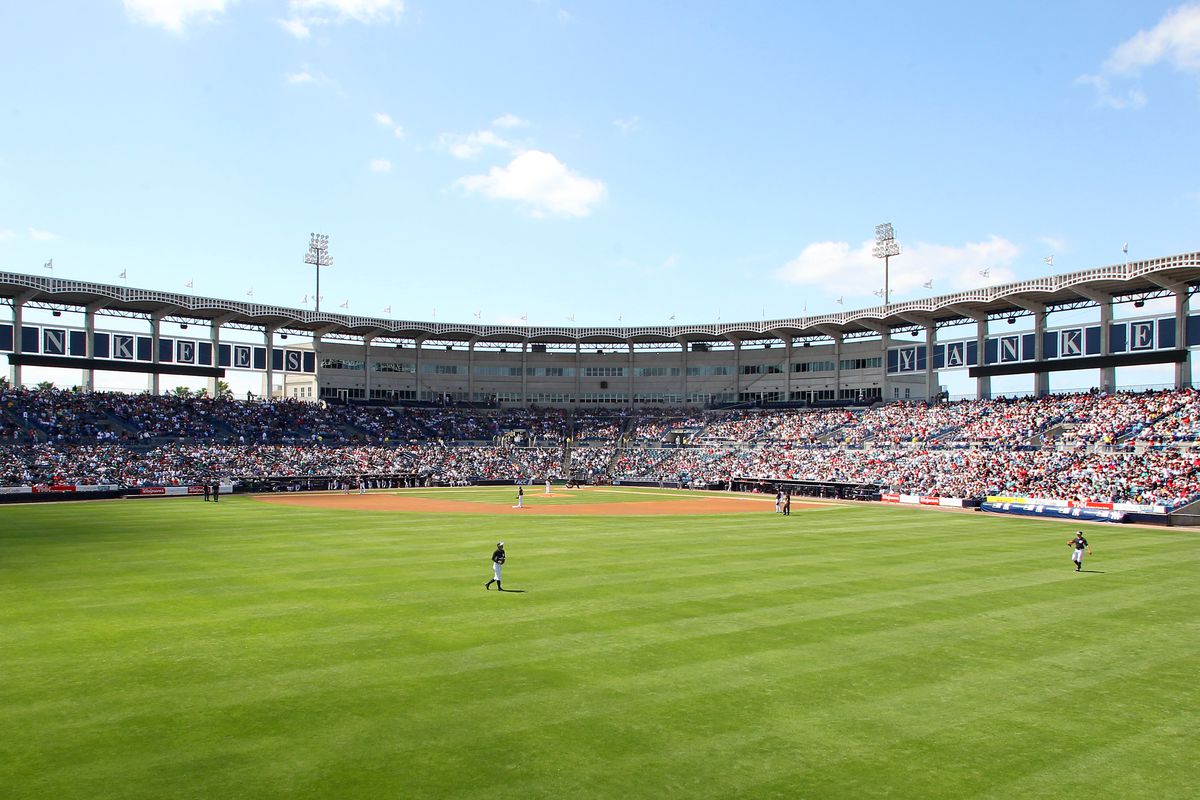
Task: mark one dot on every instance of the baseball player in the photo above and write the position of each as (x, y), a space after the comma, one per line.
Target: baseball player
(1078, 546)
(547, 486)
(497, 564)
(520, 497)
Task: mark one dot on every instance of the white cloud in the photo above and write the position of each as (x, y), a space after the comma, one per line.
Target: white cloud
(855, 272)
(509, 121)
(386, 121)
(307, 76)
(541, 184)
(470, 145)
(628, 124)
(1175, 40)
(41, 236)
(381, 165)
(1057, 244)
(308, 14)
(296, 27)
(173, 15)
(1107, 97)
(6, 234)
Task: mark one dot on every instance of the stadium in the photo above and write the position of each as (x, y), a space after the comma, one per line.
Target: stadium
(659, 449)
(613, 459)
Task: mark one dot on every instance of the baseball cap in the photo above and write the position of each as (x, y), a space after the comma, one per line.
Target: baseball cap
(499, 544)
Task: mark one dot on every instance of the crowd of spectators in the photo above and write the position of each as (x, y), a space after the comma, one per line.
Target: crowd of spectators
(1093, 446)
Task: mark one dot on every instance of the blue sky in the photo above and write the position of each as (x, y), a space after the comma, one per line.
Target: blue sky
(610, 162)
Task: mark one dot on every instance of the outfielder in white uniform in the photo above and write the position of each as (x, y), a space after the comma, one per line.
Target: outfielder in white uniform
(547, 486)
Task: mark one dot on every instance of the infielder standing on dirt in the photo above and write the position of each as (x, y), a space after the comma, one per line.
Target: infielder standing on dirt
(1078, 546)
(497, 564)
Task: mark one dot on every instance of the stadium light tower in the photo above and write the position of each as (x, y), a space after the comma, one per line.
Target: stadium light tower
(318, 256)
(886, 246)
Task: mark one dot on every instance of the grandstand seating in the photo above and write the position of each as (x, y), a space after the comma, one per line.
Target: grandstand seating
(1135, 447)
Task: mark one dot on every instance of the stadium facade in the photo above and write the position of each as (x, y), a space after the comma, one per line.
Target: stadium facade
(888, 352)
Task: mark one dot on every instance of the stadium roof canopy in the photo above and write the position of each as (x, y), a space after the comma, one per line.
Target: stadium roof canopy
(1137, 279)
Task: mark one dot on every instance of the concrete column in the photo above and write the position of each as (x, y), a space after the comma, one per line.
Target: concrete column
(155, 332)
(269, 376)
(737, 371)
(89, 346)
(787, 367)
(578, 372)
(18, 315)
(931, 375)
(983, 384)
(471, 369)
(214, 338)
(630, 345)
(1108, 375)
(367, 366)
(837, 365)
(525, 373)
(1183, 370)
(1041, 378)
(885, 342)
(417, 342)
(683, 371)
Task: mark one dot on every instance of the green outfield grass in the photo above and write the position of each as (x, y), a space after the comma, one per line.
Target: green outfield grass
(177, 649)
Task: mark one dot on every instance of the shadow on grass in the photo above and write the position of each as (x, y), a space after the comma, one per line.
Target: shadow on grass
(512, 591)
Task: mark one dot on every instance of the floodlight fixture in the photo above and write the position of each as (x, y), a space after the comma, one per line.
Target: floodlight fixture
(886, 246)
(318, 256)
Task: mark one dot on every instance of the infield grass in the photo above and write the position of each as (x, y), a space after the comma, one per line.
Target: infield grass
(177, 649)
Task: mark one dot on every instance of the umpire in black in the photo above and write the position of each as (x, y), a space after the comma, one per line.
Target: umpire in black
(497, 564)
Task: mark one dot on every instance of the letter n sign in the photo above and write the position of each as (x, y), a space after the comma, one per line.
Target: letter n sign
(1070, 343)
(1010, 348)
(54, 341)
(1141, 335)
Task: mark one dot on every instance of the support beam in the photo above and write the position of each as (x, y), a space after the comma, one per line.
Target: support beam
(932, 387)
(417, 342)
(630, 398)
(983, 383)
(471, 368)
(737, 370)
(525, 374)
(1041, 379)
(578, 373)
(367, 340)
(836, 335)
(683, 370)
(155, 334)
(268, 382)
(787, 367)
(214, 338)
(1183, 370)
(885, 342)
